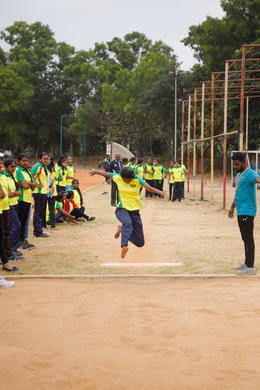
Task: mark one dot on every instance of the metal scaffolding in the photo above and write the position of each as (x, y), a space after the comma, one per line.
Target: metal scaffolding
(234, 86)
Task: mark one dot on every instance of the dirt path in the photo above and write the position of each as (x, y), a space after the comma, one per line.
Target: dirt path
(185, 334)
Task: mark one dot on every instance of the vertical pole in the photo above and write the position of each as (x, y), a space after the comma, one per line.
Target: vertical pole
(194, 132)
(225, 138)
(247, 108)
(182, 130)
(175, 120)
(242, 98)
(85, 142)
(188, 146)
(212, 139)
(202, 142)
(61, 134)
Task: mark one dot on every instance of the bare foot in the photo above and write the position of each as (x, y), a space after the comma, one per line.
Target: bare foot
(119, 230)
(124, 252)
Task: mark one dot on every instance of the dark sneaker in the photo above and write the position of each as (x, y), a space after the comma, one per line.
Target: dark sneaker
(17, 257)
(45, 235)
(91, 218)
(26, 246)
(18, 253)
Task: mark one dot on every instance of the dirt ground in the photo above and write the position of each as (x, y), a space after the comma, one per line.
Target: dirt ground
(182, 334)
(145, 334)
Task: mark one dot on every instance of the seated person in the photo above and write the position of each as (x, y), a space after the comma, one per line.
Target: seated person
(61, 213)
(72, 209)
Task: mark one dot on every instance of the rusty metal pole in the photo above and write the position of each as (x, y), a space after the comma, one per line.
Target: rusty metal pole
(225, 138)
(202, 142)
(194, 132)
(247, 109)
(194, 139)
(188, 146)
(212, 139)
(182, 130)
(242, 99)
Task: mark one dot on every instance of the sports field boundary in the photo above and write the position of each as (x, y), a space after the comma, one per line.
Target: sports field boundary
(134, 278)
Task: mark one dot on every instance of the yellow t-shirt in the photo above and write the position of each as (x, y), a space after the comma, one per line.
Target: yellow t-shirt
(13, 201)
(77, 199)
(5, 186)
(40, 177)
(183, 173)
(171, 175)
(178, 172)
(55, 176)
(1, 201)
(23, 175)
(149, 171)
(62, 179)
(139, 171)
(158, 172)
(70, 170)
(129, 194)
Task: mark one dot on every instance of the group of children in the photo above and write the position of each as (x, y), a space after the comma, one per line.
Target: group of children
(155, 173)
(56, 198)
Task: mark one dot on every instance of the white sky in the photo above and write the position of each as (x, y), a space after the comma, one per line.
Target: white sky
(81, 23)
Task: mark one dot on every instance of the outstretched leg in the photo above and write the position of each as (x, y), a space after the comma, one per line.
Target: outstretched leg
(124, 217)
(137, 236)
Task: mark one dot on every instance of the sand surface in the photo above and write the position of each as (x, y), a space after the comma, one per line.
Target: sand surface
(78, 335)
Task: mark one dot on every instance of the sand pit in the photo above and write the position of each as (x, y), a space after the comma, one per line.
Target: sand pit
(180, 334)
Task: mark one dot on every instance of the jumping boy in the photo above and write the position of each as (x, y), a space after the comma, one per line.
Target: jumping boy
(127, 211)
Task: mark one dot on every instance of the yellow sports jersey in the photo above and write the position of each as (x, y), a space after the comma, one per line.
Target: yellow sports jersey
(129, 193)
(62, 179)
(40, 177)
(76, 199)
(139, 171)
(178, 172)
(23, 175)
(183, 173)
(149, 171)
(13, 201)
(171, 175)
(54, 177)
(5, 187)
(1, 201)
(70, 170)
(158, 172)
(131, 165)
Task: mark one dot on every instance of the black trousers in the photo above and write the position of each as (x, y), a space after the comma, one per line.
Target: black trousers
(171, 188)
(51, 204)
(23, 212)
(39, 216)
(6, 219)
(246, 226)
(148, 193)
(177, 191)
(114, 193)
(79, 213)
(2, 244)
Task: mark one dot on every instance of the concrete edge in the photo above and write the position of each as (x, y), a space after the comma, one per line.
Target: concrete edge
(125, 278)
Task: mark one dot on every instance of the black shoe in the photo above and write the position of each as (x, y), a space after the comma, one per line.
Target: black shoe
(26, 246)
(18, 253)
(91, 219)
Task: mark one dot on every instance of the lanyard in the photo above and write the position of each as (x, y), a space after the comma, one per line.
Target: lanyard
(239, 181)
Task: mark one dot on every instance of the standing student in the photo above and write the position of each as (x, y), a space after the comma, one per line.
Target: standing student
(125, 162)
(63, 173)
(159, 173)
(40, 175)
(149, 176)
(27, 185)
(171, 180)
(245, 203)
(139, 169)
(184, 173)
(128, 209)
(177, 174)
(115, 167)
(6, 266)
(70, 173)
(132, 163)
(13, 195)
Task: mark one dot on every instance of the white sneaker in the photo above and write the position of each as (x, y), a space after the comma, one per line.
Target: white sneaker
(241, 266)
(5, 284)
(247, 271)
(46, 232)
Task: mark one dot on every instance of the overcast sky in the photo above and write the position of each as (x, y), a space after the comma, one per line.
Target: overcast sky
(81, 23)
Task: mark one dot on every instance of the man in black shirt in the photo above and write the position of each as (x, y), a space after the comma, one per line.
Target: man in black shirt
(115, 167)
